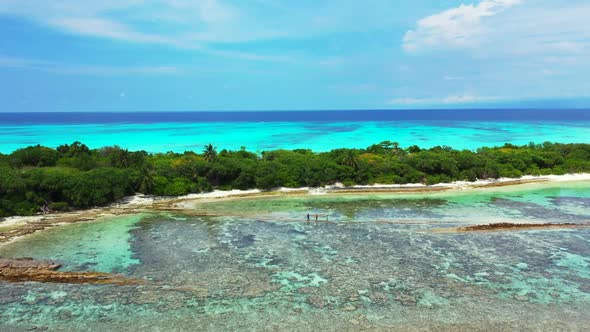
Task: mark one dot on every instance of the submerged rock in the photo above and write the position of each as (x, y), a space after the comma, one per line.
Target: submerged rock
(522, 298)
(317, 301)
(65, 315)
(349, 307)
(406, 299)
(378, 297)
(354, 322)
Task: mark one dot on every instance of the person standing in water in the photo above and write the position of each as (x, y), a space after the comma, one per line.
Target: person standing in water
(308, 217)
(316, 217)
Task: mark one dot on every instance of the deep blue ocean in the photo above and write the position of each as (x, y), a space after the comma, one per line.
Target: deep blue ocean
(525, 115)
(317, 130)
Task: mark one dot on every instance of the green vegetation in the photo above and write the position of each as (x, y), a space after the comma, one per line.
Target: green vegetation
(74, 176)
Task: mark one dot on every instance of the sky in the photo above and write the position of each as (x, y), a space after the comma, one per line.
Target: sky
(140, 55)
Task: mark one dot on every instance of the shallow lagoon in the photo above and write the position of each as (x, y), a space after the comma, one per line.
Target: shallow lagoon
(376, 264)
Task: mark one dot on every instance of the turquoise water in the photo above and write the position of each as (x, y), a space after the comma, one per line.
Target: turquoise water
(319, 136)
(377, 265)
(102, 245)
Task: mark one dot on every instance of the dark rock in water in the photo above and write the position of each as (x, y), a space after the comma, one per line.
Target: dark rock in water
(275, 261)
(65, 315)
(532, 209)
(581, 201)
(317, 301)
(306, 290)
(27, 263)
(27, 269)
(246, 241)
(378, 297)
(406, 299)
(8, 296)
(87, 265)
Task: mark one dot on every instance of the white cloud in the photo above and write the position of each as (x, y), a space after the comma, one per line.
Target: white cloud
(466, 98)
(190, 22)
(100, 27)
(462, 26)
(12, 62)
(409, 101)
(508, 49)
(511, 28)
(105, 70)
(206, 26)
(194, 22)
(183, 24)
(449, 100)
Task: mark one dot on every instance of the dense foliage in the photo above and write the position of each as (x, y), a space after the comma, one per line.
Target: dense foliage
(74, 176)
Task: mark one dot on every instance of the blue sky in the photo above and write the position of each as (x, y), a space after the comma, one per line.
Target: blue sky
(135, 55)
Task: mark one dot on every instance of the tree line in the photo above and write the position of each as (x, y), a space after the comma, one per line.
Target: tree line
(72, 176)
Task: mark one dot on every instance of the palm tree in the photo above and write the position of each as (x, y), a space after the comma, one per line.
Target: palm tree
(122, 159)
(350, 159)
(146, 182)
(210, 153)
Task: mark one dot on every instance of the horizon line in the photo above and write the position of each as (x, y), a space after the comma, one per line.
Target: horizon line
(315, 110)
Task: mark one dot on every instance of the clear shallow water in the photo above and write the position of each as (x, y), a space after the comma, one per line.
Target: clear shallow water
(375, 265)
(536, 203)
(320, 131)
(102, 245)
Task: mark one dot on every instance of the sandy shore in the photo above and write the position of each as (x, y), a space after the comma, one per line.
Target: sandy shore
(15, 227)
